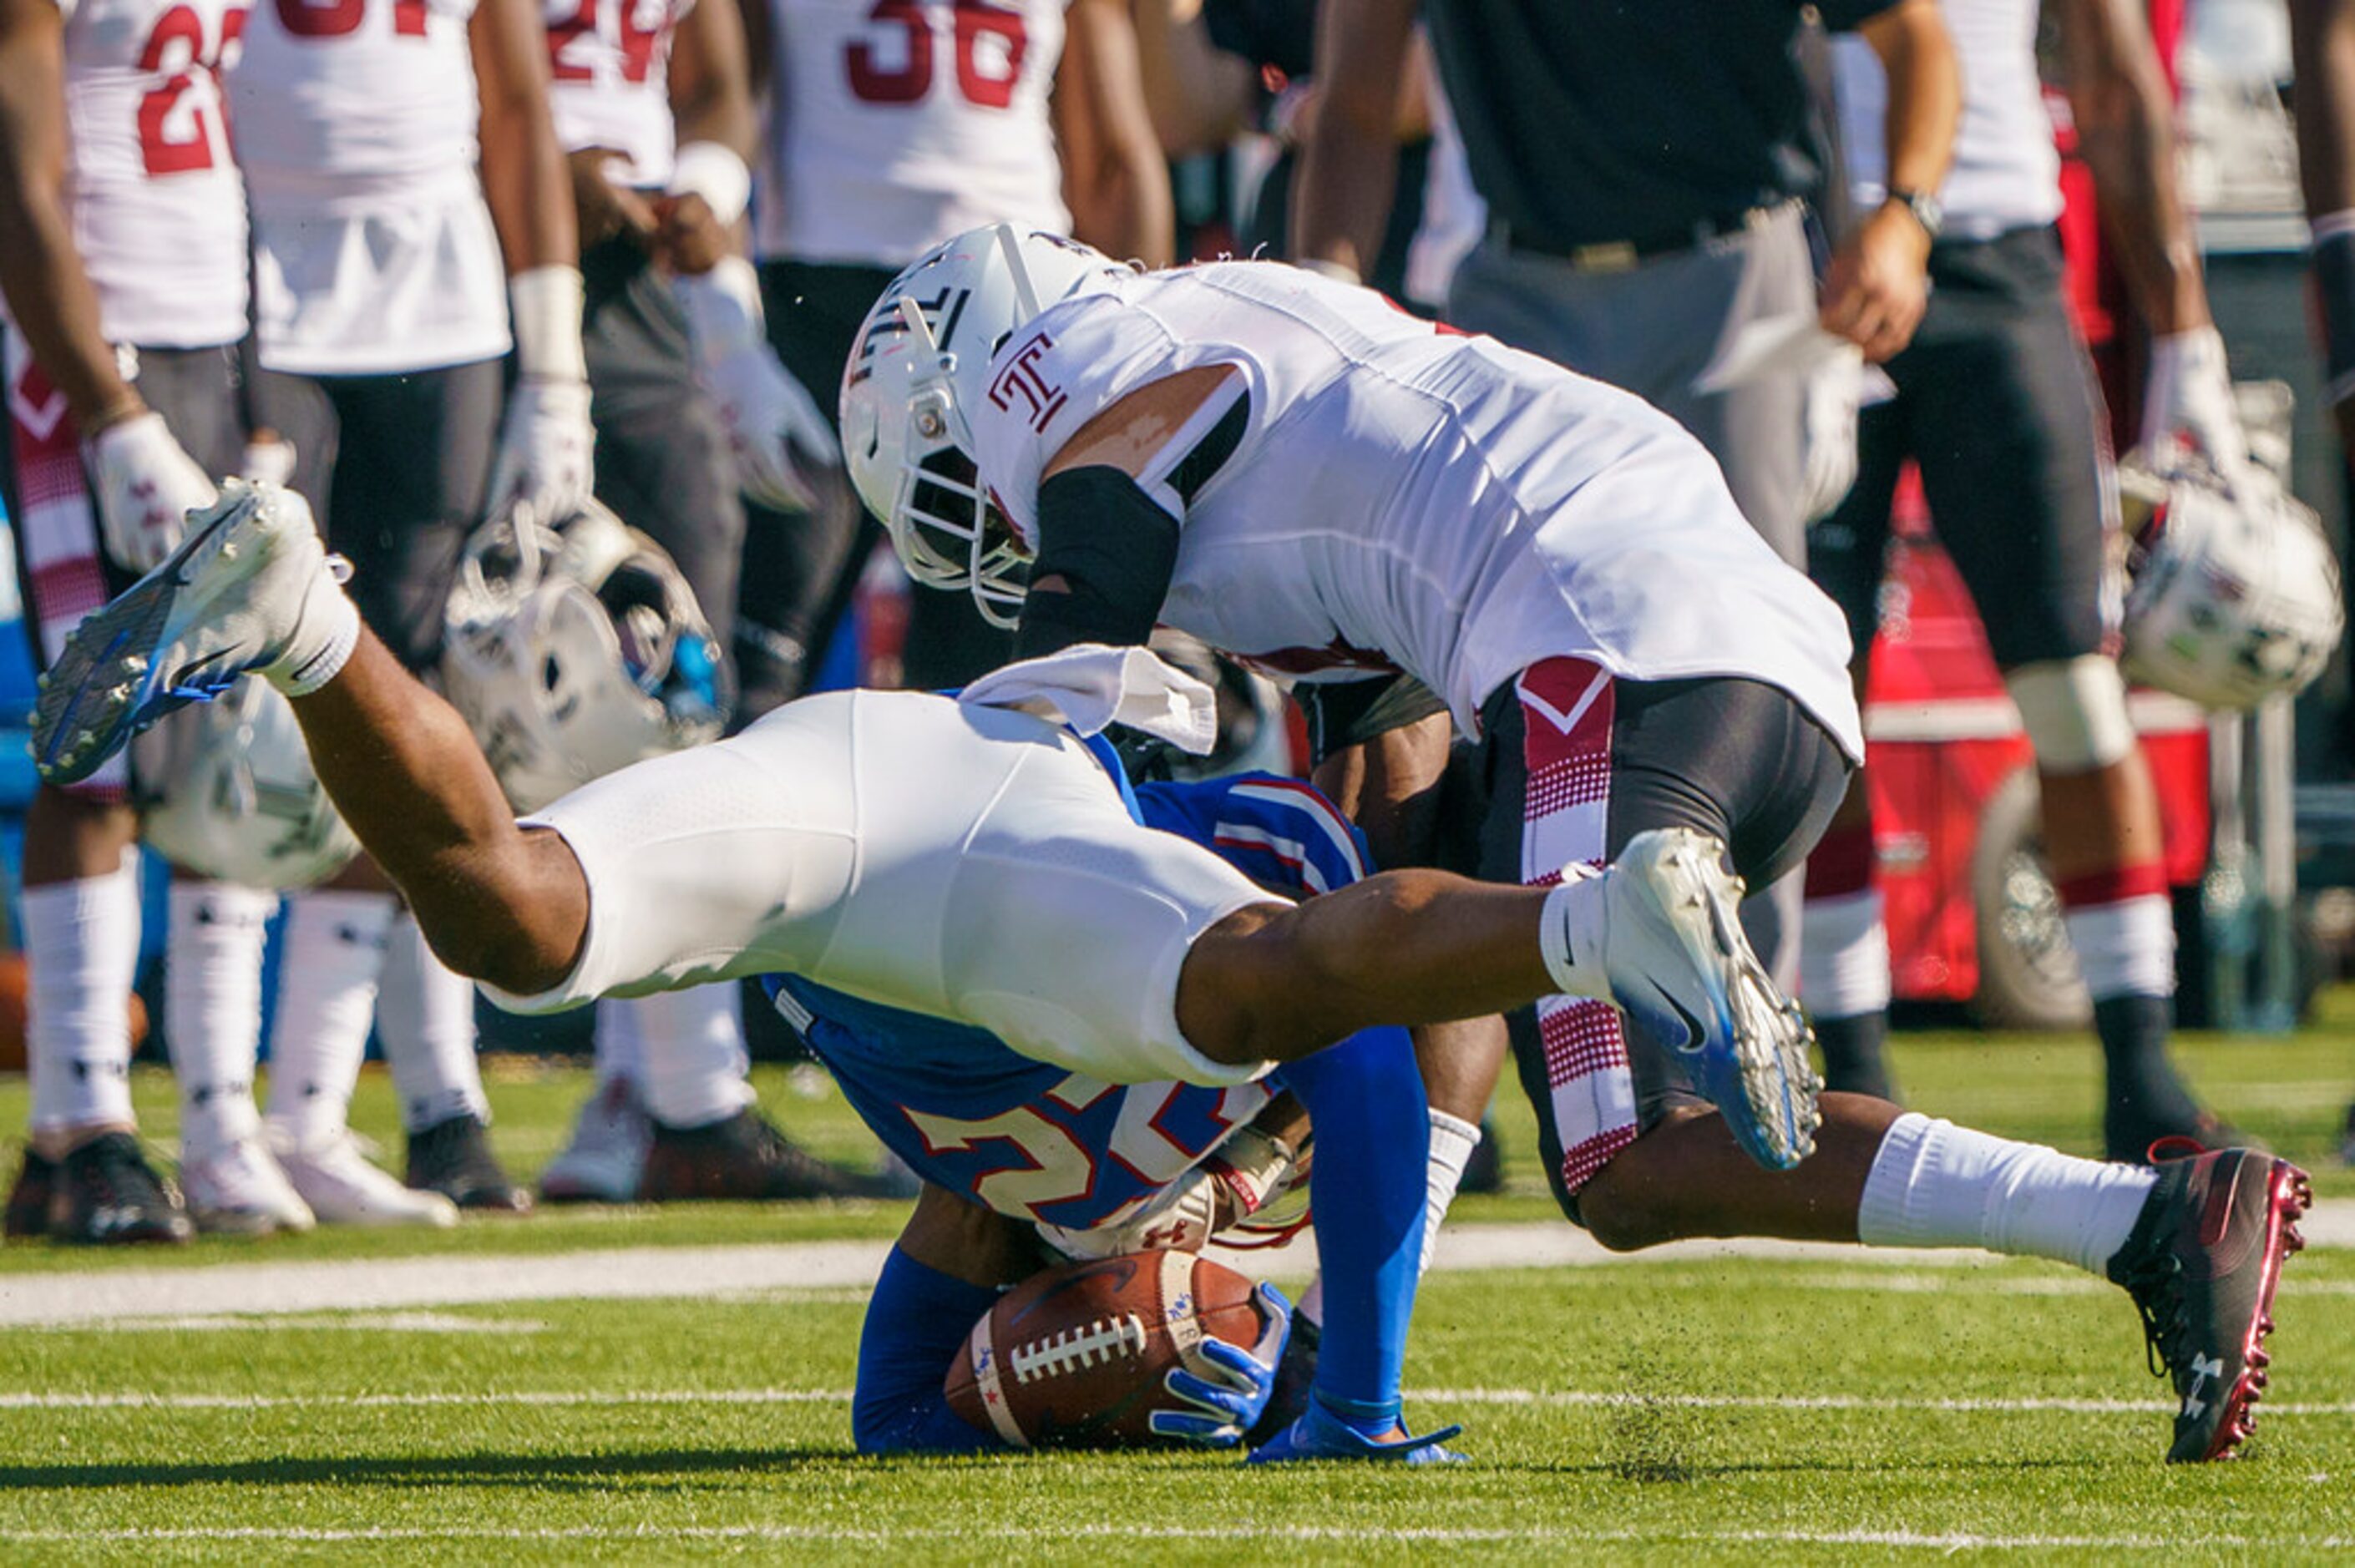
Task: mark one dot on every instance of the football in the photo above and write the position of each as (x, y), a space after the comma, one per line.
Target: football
(1074, 1357)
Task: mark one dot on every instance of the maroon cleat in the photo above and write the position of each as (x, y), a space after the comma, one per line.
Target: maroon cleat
(2202, 1265)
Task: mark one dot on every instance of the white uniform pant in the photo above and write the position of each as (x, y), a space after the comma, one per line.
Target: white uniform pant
(967, 862)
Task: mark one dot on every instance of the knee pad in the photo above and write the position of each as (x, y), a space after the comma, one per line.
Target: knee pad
(2074, 711)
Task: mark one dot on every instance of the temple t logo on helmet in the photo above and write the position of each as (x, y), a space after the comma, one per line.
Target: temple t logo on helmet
(921, 359)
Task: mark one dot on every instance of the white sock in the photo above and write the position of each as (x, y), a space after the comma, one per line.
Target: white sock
(695, 1055)
(2126, 948)
(1936, 1184)
(212, 1008)
(621, 1045)
(81, 954)
(1453, 1140)
(1571, 933)
(1844, 956)
(425, 1016)
(328, 963)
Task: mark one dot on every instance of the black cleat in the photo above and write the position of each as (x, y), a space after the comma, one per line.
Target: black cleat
(745, 1157)
(28, 1199)
(2130, 1134)
(2347, 1139)
(453, 1158)
(2202, 1265)
(106, 1195)
(1295, 1373)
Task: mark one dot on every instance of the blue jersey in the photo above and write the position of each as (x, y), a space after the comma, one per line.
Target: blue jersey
(1038, 1142)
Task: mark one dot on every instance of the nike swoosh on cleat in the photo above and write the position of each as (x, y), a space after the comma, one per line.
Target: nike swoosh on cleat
(1694, 1035)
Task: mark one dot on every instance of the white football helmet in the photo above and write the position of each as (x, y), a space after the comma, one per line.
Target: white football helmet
(574, 650)
(922, 358)
(2235, 592)
(234, 797)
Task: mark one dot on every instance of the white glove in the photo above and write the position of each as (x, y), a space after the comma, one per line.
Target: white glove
(783, 444)
(544, 448)
(1828, 432)
(147, 487)
(2188, 398)
(270, 460)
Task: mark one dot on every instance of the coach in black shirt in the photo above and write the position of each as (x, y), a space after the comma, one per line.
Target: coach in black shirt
(1644, 162)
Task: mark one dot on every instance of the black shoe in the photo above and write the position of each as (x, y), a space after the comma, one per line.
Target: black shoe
(453, 1158)
(2346, 1143)
(105, 1194)
(1484, 1171)
(745, 1157)
(2202, 1265)
(1294, 1375)
(28, 1199)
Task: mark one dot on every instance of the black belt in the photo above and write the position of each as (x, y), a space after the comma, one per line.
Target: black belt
(1624, 255)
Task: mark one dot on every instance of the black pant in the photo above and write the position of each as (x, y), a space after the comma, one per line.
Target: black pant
(663, 460)
(800, 573)
(1738, 759)
(396, 467)
(1996, 406)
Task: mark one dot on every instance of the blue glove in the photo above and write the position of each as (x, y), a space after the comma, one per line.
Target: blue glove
(1321, 1434)
(1219, 1412)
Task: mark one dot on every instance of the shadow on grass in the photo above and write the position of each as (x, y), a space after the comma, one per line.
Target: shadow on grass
(549, 1472)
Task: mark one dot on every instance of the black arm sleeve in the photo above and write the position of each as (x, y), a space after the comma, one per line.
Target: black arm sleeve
(1114, 548)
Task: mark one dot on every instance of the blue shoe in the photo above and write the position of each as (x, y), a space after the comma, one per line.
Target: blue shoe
(249, 589)
(1320, 1434)
(1681, 968)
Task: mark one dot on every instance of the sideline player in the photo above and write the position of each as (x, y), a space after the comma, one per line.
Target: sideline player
(122, 261)
(652, 109)
(891, 129)
(2322, 49)
(1295, 471)
(1997, 405)
(384, 267)
(975, 862)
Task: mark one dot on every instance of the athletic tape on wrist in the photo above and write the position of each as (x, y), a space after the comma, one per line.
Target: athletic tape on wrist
(716, 174)
(545, 302)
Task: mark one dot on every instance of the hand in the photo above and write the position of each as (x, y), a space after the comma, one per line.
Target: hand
(1877, 283)
(601, 208)
(690, 238)
(147, 487)
(544, 449)
(1219, 1413)
(783, 444)
(2189, 397)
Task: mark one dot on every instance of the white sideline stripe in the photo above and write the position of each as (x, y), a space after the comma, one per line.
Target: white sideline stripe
(349, 1322)
(1546, 1398)
(121, 1296)
(983, 1530)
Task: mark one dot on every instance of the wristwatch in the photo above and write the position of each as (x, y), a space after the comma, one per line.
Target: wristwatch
(1925, 208)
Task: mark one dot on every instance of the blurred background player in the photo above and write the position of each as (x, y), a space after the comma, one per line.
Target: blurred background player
(1996, 404)
(653, 108)
(384, 269)
(889, 131)
(122, 259)
(2322, 42)
(1639, 218)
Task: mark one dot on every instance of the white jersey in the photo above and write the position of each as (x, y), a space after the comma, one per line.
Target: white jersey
(898, 125)
(608, 83)
(159, 210)
(1409, 498)
(2007, 172)
(374, 252)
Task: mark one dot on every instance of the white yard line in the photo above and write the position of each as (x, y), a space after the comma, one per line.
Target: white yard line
(558, 1399)
(1242, 1531)
(122, 1296)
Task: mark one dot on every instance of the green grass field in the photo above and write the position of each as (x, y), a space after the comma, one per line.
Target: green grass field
(1819, 1407)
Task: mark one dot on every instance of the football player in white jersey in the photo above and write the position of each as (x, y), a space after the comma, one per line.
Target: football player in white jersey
(889, 129)
(1997, 407)
(1297, 472)
(652, 107)
(392, 279)
(122, 262)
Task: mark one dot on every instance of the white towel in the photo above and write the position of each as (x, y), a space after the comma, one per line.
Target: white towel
(1090, 685)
